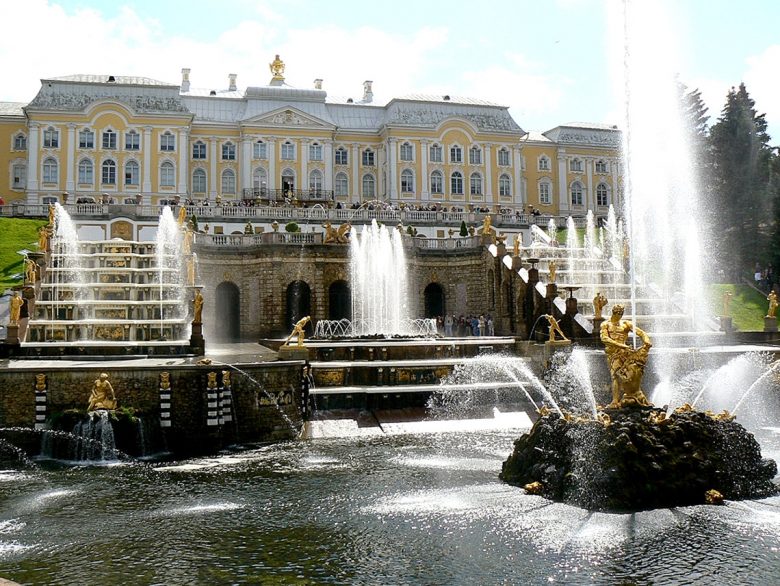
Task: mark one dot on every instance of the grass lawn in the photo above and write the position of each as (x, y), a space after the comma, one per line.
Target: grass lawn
(15, 234)
(748, 306)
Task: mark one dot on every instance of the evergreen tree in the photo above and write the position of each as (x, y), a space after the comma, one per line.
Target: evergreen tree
(740, 159)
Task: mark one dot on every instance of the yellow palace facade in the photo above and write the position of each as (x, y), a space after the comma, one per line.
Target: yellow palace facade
(137, 140)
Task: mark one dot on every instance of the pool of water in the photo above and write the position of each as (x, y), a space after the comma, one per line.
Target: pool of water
(424, 509)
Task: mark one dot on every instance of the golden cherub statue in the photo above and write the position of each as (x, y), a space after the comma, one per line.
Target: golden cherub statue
(626, 365)
(277, 68)
(599, 302)
(298, 330)
(555, 329)
(40, 382)
(211, 383)
(102, 396)
(772, 298)
(165, 381)
(197, 308)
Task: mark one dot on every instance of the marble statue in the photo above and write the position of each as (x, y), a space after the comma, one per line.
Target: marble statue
(772, 298)
(599, 302)
(626, 364)
(298, 330)
(555, 329)
(102, 396)
(15, 305)
(197, 308)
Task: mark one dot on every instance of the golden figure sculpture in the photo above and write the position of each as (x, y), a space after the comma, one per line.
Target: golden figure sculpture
(43, 238)
(772, 298)
(15, 308)
(191, 270)
(40, 382)
(516, 247)
(336, 236)
(226, 378)
(298, 330)
(182, 216)
(212, 382)
(486, 229)
(102, 396)
(51, 215)
(165, 381)
(277, 68)
(552, 267)
(599, 302)
(727, 296)
(555, 329)
(30, 270)
(197, 308)
(626, 365)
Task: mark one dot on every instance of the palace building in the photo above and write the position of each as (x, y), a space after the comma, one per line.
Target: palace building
(137, 140)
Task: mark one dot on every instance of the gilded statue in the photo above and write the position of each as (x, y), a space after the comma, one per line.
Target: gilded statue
(43, 238)
(599, 302)
(165, 381)
(552, 267)
(772, 298)
(226, 378)
(727, 303)
(197, 308)
(626, 365)
(516, 247)
(30, 270)
(40, 382)
(486, 229)
(186, 245)
(182, 219)
(212, 382)
(555, 329)
(336, 236)
(51, 215)
(102, 396)
(277, 68)
(15, 306)
(298, 330)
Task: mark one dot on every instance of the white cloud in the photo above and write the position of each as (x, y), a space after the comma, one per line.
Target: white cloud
(763, 83)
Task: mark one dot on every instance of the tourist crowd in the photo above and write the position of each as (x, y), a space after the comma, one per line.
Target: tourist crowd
(470, 325)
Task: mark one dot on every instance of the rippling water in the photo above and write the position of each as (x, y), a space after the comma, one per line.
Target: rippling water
(381, 510)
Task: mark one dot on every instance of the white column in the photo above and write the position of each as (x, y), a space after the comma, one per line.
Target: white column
(246, 165)
(212, 167)
(304, 181)
(517, 155)
(33, 172)
(355, 171)
(590, 203)
(392, 173)
(488, 174)
(381, 168)
(425, 180)
(184, 149)
(563, 191)
(146, 187)
(328, 165)
(273, 180)
(70, 185)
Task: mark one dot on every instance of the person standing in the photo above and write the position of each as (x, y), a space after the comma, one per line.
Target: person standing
(448, 319)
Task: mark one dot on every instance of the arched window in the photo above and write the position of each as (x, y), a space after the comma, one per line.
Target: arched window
(341, 186)
(132, 141)
(288, 180)
(131, 173)
(259, 178)
(368, 158)
(602, 195)
(504, 185)
(198, 180)
(228, 151)
(168, 175)
(407, 152)
(229, 181)
(19, 176)
(260, 150)
(20, 142)
(167, 142)
(475, 184)
(544, 163)
(369, 186)
(86, 139)
(456, 154)
(199, 150)
(109, 139)
(108, 172)
(503, 157)
(435, 153)
(576, 165)
(86, 172)
(437, 182)
(315, 181)
(50, 171)
(315, 151)
(475, 156)
(576, 193)
(51, 138)
(456, 183)
(407, 181)
(601, 166)
(288, 151)
(545, 192)
(341, 156)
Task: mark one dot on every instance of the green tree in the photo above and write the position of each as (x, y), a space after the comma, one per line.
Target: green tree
(463, 230)
(740, 163)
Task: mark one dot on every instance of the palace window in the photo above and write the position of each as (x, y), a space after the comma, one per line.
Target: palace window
(260, 150)
(51, 138)
(198, 181)
(199, 150)
(437, 182)
(576, 193)
(86, 172)
(602, 195)
(259, 178)
(475, 182)
(341, 156)
(228, 181)
(456, 183)
(407, 152)
(545, 193)
(503, 157)
(50, 171)
(601, 167)
(544, 163)
(19, 174)
(315, 151)
(86, 139)
(341, 184)
(228, 151)
(20, 142)
(575, 166)
(109, 139)
(435, 153)
(167, 142)
(456, 154)
(407, 181)
(475, 156)
(131, 173)
(288, 151)
(315, 181)
(108, 173)
(132, 141)
(369, 186)
(504, 185)
(167, 175)
(368, 158)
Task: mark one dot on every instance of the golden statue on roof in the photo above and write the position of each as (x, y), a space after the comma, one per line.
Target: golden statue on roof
(277, 69)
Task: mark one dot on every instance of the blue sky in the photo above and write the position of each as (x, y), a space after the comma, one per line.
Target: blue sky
(548, 60)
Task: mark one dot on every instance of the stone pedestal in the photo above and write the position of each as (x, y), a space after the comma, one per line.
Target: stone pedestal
(12, 335)
(552, 291)
(197, 343)
(293, 353)
(770, 324)
(551, 348)
(597, 321)
(727, 325)
(571, 306)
